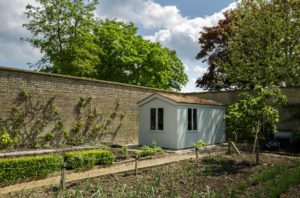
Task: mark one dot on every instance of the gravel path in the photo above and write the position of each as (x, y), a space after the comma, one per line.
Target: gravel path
(116, 168)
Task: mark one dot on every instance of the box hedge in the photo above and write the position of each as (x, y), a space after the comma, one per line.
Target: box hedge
(13, 169)
(88, 159)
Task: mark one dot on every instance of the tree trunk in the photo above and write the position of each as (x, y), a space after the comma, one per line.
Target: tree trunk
(256, 143)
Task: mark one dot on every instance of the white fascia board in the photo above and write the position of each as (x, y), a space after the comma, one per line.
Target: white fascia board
(157, 96)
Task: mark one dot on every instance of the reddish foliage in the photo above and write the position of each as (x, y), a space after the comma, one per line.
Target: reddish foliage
(213, 48)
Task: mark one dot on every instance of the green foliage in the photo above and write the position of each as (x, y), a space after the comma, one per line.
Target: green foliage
(199, 144)
(124, 152)
(32, 123)
(76, 43)
(243, 185)
(91, 125)
(79, 160)
(251, 113)
(128, 58)
(5, 140)
(256, 44)
(278, 179)
(149, 150)
(14, 169)
(268, 174)
(62, 30)
(35, 122)
(264, 48)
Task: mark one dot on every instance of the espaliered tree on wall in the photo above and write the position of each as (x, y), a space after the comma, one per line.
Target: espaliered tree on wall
(35, 123)
(75, 43)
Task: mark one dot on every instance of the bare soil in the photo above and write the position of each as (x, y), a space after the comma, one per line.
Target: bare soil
(221, 176)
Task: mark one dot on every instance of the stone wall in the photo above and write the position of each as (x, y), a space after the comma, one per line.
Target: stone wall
(68, 91)
(104, 96)
(289, 115)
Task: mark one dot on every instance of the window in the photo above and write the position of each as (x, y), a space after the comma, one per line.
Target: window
(192, 119)
(152, 118)
(160, 119)
(156, 119)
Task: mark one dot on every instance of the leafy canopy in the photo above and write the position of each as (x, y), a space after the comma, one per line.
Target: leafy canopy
(61, 29)
(128, 58)
(254, 112)
(257, 44)
(75, 43)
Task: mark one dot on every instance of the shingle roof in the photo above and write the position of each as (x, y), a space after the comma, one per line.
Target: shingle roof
(188, 99)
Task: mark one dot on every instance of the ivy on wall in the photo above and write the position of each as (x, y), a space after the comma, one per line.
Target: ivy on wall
(37, 123)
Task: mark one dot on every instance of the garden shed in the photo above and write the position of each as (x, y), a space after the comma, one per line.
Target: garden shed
(177, 121)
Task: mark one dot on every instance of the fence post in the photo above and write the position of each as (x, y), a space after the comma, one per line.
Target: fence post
(229, 147)
(136, 165)
(62, 179)
(196, 149)
(257, 157)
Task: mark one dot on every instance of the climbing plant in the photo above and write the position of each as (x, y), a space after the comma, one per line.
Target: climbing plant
(35, 122)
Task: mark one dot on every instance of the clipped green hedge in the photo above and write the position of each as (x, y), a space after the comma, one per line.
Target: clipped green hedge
(13, 169)
(87, 159)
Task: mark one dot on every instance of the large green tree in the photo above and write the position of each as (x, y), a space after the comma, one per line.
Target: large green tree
(75, 43)
(62, 30)
(261, 46)
(128, 58)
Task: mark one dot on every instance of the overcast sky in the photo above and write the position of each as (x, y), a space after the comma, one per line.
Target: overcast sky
(174, 23)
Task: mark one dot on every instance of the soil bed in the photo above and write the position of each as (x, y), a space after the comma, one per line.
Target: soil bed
(219, 176)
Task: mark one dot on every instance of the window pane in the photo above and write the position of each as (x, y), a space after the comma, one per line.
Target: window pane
(189, 119)
(152, 118)
(160, 120)
(194, 119)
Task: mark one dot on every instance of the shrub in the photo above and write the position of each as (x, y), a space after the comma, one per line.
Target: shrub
(87, 159)
(124, 152)
(149, 150)
(12, 169)
(199, 144)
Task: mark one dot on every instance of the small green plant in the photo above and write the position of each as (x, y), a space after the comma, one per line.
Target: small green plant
(199, 144)
(124, 152)
(232, 192)
(5, 140)
(153, 149)
(243, 185)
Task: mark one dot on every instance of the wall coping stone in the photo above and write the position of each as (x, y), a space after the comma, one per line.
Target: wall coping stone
(15, 70)
(10, 69)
